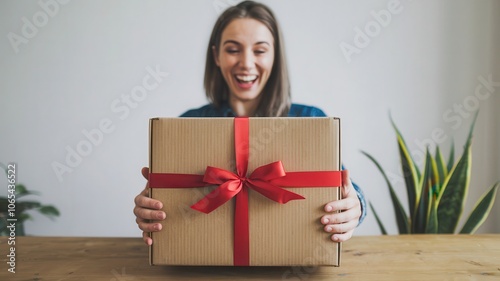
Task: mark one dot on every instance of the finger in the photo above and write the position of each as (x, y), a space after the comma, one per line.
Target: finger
(342, 237)
(342, 227)
(145, 172)
(344, 204)
(347, 182)
(142, 201)
(147, 214)
(147, 239)
(342, 217)
(144, 192)
(149, 226)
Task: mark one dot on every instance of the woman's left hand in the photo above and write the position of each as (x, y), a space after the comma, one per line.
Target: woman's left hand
(343, 223)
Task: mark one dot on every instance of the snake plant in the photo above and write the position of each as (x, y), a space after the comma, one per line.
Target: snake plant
(437, 193)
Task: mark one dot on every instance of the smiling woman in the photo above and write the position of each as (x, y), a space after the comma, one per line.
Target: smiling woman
(246, 41)
(245, 57)
(246, 75)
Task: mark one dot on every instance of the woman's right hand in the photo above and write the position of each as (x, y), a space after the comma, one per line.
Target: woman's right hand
(147, 212)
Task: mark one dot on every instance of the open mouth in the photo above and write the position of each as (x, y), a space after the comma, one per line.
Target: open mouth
(246, 81)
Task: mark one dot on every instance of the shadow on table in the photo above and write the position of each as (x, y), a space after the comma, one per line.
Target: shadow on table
(250, 273)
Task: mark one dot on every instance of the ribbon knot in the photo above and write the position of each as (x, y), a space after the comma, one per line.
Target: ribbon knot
(231, 184)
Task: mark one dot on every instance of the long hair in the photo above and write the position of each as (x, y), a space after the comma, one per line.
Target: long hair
(275, 97)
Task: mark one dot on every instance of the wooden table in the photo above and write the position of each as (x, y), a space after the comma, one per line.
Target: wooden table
(412, 257)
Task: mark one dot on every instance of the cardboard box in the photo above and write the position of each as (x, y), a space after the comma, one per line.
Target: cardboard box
(280, 234)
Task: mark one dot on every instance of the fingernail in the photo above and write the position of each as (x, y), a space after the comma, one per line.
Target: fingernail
(335, 238)
(158, 205)
(159, 215)
(329, 208)
(325, 221)
(329, 229)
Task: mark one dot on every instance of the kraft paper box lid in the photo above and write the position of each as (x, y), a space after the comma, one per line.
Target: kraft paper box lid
(280, 234)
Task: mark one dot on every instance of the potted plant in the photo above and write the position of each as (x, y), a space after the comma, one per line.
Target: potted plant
(437, 193)
(20, 209)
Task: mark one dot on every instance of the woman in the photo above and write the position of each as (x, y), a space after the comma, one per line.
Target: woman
(246, 75)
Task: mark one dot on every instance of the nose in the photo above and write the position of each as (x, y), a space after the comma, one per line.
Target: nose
(247, 60)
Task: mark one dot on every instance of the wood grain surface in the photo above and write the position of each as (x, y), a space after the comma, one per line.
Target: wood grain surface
(404, 257)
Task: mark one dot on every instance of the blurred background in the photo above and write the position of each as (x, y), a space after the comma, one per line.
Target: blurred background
(80, 79)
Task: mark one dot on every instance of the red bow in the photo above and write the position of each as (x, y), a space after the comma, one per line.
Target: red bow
(231, 184)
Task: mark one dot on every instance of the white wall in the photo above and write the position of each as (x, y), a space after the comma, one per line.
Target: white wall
(72, 73)
(495, 170)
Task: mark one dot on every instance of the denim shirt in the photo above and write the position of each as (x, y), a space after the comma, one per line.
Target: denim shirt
(296, 110)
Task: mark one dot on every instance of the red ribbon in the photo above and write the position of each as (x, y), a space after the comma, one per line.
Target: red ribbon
(265, 179)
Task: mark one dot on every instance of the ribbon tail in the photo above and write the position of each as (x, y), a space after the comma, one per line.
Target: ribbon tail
(273, 192)
(241, 238)
(241, 145)
(167, 180)
(217, 197)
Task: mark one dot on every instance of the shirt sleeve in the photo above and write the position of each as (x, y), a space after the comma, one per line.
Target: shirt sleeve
(316, 112)
(362, 201)
(189, 113)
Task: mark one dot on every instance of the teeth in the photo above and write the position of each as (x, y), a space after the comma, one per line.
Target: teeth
(246, 78)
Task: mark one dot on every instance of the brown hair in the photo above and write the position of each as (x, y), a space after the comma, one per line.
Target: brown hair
(276, 98)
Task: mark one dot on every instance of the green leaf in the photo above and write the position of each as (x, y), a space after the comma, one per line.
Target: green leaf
(453, 193)
(49, 210)
(379, 222)
(469, 138)
(451, 199)
(451, 159)
(401, 217)
(481, 211)
(410, 171)
(26, 205)
(441, 167)
(21, 191)
(434, 176)
(4, 203)
(420, 220)
(24, 217)
(432, 221)
(3, 227)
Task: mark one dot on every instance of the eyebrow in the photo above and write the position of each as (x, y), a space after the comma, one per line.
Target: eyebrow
(238, 43)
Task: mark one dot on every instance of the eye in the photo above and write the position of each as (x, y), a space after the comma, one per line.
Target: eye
(232, 51)
(259, 52)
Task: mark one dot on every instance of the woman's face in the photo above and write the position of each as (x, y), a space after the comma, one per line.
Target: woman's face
(245, 58)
